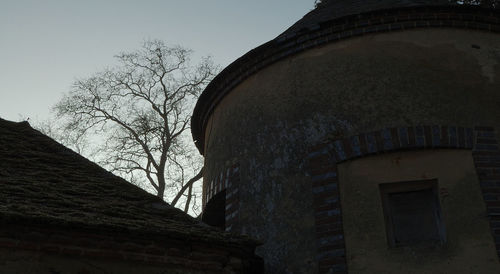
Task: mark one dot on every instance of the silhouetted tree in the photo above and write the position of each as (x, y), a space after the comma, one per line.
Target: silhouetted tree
(137, 116)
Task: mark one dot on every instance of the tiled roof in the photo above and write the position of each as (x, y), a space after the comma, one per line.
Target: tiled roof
(44, 183)
(332, 9)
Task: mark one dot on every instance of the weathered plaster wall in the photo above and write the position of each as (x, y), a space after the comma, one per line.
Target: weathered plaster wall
(428, 76)
(469, 248)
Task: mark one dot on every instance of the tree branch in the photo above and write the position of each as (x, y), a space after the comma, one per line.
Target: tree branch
(186, 186)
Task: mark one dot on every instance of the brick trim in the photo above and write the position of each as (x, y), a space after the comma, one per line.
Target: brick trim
(322, 167)
(486, 154)
(322, 163)
(233, 199)
(400, 19)
(228, 179)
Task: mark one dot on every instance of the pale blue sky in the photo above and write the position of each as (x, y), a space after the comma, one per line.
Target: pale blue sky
(46, 44)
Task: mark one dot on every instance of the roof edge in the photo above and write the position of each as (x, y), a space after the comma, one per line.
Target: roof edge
(377, 21)
(223, 238)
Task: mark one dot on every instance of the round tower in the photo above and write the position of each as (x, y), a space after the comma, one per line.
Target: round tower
(364, 139)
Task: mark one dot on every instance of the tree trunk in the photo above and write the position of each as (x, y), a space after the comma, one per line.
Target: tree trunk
(189, 196)
(161, 186)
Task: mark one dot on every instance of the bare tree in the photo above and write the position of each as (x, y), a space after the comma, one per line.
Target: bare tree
(138, 114)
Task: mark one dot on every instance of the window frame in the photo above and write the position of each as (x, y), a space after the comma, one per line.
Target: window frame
(409, 186)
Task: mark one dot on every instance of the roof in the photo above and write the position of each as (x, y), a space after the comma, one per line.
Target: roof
(44, 183)
(333, 20)
(329, 10)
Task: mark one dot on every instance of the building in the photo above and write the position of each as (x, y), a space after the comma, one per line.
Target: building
(60, 213)
(364, 139)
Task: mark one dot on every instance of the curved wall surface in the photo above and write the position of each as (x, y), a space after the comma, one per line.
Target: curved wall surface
(275, 124)
(267, 124)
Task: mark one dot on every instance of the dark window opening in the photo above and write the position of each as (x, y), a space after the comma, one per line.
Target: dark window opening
(412, 213)
(215, 211)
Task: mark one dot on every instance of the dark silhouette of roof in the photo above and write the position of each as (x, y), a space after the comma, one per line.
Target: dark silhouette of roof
(44, 183)
(329, 10)
(334, 20)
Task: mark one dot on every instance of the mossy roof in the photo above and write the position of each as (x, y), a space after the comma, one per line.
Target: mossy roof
(43, 183)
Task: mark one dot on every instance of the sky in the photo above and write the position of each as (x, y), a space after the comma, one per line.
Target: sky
(46, 45)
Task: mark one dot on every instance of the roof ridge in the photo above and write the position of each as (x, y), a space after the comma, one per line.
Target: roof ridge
(45, 182)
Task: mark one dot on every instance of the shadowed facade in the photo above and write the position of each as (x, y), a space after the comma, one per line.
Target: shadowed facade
(362, 84)
(61, 213)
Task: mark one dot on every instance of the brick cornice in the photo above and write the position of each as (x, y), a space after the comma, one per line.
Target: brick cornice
(322, 161)
(460, 17)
